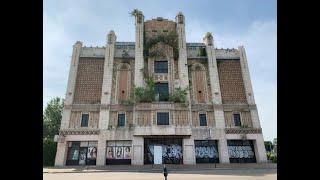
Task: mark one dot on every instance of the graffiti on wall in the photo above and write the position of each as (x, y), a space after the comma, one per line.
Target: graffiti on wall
(119, 152)
(206, 152)
(240, 152)
(170, 153)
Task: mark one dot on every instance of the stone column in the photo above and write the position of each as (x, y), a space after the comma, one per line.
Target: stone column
(139, 61)
(259, 149)
(216, 97)
(188, 151)
(71, 85)
(223, 150)
(106, 96)
(248, 87)
(101, 154)
(137, 151)
(107, 81)
(60, 159)
(182, 61)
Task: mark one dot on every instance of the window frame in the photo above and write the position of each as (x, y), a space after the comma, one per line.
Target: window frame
(240, 120)
(167, 112)
(205, 115)
(161, 69)
(165, 99)
(83, 113)
(124, 123)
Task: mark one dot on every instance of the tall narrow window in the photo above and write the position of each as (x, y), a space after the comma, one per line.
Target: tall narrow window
(236, 119)
(85, 120)
(162, 118)
(203, 119)
(162, 90)
(121, 119)
(161, 66)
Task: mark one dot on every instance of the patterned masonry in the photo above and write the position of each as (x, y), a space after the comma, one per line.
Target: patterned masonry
(102, 124)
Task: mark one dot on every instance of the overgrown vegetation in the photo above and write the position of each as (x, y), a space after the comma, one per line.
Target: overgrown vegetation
(272, 156)
(51, 125)
(148, 93)
(134, 12)
(170, 38)
(179, 95)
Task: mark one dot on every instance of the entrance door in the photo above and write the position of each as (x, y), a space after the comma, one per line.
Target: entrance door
(157, 156)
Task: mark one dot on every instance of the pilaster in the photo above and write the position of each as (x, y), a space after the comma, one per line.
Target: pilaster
(248, 87)
(107, 81)
(139, 61)
(214, 81)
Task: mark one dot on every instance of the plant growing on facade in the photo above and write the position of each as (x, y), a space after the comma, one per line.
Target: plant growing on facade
(179, 95)
(147, 93)
(134, 12)
(202, 52)
(170, 39)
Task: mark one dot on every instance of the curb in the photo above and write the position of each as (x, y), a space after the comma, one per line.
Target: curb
(157, 170)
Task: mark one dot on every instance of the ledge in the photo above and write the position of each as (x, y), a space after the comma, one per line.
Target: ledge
(162, 130)
(79, 132)
(243, 130)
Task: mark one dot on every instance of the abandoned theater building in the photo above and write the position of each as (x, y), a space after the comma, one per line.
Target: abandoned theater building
(159, 100)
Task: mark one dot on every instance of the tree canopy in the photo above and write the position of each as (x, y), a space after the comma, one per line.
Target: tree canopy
(52, 117)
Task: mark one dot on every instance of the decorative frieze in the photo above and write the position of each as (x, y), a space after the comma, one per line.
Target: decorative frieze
(79, 132)
(243, 130)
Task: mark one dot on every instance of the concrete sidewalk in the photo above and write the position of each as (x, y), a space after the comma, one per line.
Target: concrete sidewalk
(156, 168)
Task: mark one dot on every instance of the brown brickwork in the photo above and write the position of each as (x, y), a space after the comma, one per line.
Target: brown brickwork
(231, 82)
(151, 26)
(89, 81)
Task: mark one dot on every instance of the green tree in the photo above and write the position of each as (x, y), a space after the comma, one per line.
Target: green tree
(268, 145)
(52, 118)
(51, 124)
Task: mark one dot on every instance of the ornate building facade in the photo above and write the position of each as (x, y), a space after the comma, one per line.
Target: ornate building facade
(159, 100)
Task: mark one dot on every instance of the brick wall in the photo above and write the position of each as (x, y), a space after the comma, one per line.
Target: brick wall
(89, 81)
(231, 82)
(159, 26)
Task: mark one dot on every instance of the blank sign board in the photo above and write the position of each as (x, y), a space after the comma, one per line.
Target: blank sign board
(157, 155)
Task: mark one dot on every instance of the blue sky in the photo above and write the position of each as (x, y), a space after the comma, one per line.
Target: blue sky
(250, 23)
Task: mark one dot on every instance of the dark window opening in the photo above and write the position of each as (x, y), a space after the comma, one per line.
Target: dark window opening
(121, 119)
(199, 91)
(161, 66)
(84, 120)
(162, 118)
(122, 92)
(162, 89)
(236, 119)
(203, 119)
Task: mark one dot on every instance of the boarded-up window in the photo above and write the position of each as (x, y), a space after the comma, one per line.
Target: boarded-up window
(199, 85)
(124, 82)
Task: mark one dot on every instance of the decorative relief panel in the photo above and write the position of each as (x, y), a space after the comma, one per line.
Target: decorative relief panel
(181, 118)
(89, 81)
(231, 82)
(143, 118)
